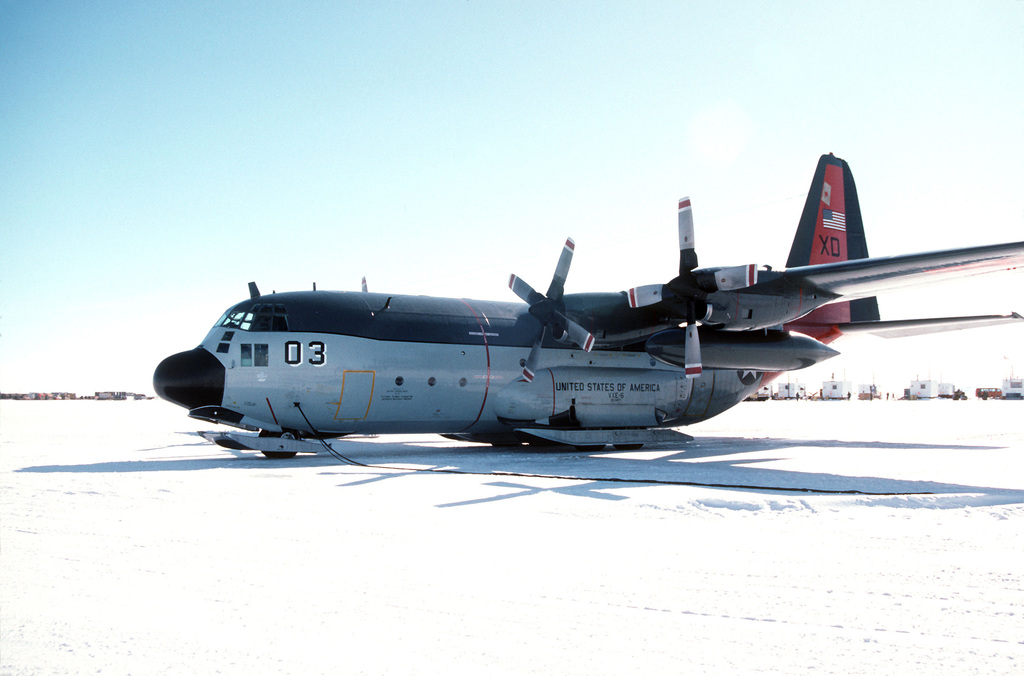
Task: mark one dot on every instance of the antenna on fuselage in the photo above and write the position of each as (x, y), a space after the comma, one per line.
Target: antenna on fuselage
(254, 291)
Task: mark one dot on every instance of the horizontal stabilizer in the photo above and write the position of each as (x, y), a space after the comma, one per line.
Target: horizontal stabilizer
(902, 328)
(869, 276)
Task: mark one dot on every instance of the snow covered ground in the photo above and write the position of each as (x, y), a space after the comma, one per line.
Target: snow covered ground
(128, 544)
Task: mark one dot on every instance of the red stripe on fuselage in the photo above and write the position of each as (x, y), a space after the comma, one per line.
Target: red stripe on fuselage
(487, 353)
(552, 391)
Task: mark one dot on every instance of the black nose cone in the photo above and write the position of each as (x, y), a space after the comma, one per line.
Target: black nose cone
(190, 379)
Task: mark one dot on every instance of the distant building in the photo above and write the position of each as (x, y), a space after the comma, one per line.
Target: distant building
(836, 389)
(39, 396)
(792, 391)
(867, 392)
(1013, 388)
(922, 389)
(66, 396)
(762, 394)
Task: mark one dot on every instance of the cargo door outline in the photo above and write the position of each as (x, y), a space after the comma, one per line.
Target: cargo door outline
(356, 395)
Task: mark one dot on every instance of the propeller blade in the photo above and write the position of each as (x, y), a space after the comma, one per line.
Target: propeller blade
(546, 308)
(687, 252)
(691, 352)
(557, 287)
(738, 277)
(530, 370)
(641, 296)
(578, 334)
(522, 289)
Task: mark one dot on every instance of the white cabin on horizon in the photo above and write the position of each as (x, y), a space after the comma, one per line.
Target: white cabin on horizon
(792, 391)
(923, 389)
(1013, 388)
(836, 389)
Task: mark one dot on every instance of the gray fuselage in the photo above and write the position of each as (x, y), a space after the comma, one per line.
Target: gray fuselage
(373, 364)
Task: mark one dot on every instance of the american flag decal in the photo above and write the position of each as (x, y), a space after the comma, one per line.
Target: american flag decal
(833, 220)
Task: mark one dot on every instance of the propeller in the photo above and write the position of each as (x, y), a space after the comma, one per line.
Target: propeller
(686, 295)
(549, 310)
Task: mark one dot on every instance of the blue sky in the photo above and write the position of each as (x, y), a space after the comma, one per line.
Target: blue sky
(159, 156)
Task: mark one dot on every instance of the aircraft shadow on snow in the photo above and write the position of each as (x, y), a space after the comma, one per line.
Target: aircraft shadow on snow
(709, 462)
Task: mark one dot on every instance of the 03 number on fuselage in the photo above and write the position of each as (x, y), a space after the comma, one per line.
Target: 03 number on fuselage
(293, 353)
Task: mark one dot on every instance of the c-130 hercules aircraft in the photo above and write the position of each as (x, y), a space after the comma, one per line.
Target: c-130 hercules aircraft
(585, 369)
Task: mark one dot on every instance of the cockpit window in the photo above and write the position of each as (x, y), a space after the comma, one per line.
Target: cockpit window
(280, 319)
(238, 319)
(265, 317)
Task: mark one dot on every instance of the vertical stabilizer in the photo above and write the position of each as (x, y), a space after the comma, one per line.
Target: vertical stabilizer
(831, 230)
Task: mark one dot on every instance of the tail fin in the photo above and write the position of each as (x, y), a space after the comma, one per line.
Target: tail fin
(831, 230)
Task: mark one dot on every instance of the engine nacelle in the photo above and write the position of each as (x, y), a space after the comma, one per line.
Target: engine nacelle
(572, 396)
(741, 311)
(742, 350)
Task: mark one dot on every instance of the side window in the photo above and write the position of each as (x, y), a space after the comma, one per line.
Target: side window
(255, 355)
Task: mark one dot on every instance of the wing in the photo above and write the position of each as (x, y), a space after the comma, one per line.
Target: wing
(868, 276)
(902, 328)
